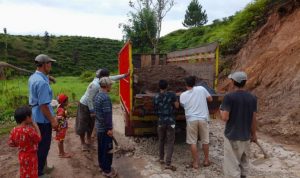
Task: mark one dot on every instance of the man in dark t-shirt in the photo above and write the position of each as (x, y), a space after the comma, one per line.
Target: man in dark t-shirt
(238, 110)
(164, 104)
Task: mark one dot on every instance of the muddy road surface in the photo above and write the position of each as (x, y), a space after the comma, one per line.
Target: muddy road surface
(138, 157)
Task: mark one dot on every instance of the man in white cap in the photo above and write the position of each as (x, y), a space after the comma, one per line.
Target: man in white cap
(238, 110)
(40, 97)
(104, 127)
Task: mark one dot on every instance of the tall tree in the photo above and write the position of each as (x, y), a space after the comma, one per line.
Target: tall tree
(47, 40)
(141, 30)
(160, 8)
(5, 33)
(194, 15)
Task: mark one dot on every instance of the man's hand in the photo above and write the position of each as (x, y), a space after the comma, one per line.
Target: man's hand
(110, 133)
(36, 127)
(51, 79)
(254, 138)
(92, 115)
(127, 73)
(54, 124)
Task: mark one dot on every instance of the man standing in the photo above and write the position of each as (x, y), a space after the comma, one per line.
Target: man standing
(238, 110)
(194, 102)
(164, 104)
(40, 97)
(104, 127)
(85, 119)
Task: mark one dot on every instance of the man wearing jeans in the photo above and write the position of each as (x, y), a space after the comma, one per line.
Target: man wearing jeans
(164, 104)
(194, 101)
(40, 97)
(238, 110)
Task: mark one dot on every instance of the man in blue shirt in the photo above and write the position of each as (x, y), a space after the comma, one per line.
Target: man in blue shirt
(40, 97)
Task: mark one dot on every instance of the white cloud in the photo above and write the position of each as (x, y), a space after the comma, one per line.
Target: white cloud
(36, 19)
(97, 18)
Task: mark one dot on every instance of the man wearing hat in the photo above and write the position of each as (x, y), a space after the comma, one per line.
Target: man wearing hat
(85, 118)
(238, 110)
(104, 127)
(40, 97)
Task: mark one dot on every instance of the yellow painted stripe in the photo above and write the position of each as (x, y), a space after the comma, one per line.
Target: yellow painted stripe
(131, 78)
(217, 68)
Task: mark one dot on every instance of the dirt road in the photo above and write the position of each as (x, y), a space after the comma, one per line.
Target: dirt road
(284, 160)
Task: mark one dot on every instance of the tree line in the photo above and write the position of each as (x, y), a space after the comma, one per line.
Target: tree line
(145, 22)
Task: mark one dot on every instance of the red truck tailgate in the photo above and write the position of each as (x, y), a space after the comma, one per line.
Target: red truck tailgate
(125, 84)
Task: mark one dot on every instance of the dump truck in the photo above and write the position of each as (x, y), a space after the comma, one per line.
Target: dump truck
(139, 88)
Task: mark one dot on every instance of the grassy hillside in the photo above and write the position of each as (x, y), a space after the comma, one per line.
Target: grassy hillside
(232, 32)
(14, 93)
(74, 54)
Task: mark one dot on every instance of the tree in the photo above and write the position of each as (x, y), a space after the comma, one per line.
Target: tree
(5, 33)
(75, 56)
(194, 15)
(46, 39)
(142, 30)
(159, 9)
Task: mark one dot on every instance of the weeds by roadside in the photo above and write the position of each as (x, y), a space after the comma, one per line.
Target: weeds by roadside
(14, 93)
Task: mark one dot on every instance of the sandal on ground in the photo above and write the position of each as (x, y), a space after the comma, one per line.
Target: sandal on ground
(48, 170)
(171, 167)
(84, 147)
(112, 174)
(191, 165)
(161, 161)
(206, 164)
(65, 155)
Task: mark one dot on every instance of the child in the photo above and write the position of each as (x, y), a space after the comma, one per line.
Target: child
(26, 136)
(61, 116)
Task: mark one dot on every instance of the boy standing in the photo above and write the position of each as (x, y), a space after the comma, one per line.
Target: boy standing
(164, 104)
(104, 126)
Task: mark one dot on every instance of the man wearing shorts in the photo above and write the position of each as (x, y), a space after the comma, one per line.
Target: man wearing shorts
(194, 101)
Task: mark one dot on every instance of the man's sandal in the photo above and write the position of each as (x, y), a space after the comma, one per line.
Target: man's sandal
(85, 148)
(161, 161)
(65, 155)
(171, 167)
(112, 174)
(206, 164)
(191, 165)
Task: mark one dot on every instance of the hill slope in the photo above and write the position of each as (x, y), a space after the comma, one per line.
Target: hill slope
(271, 57)
(74, 54)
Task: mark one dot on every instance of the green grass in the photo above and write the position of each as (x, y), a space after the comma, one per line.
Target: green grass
(231, 32)
(74, 54)
(14, 93)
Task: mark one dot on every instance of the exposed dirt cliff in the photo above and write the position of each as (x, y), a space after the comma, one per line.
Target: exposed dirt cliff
(271, 58)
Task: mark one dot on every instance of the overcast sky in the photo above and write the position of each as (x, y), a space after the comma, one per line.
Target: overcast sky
(94, 18)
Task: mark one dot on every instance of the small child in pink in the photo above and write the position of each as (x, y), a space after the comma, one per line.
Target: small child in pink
(26, 136)
(61, 116)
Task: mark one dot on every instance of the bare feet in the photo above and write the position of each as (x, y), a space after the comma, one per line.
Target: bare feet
(65, 155)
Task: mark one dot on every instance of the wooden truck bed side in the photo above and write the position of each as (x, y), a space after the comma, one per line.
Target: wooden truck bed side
(139, 115)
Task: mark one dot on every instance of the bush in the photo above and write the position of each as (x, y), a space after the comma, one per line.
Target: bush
(87, 76)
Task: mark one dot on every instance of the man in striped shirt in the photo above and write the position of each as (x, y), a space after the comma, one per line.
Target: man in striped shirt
(104, 127)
